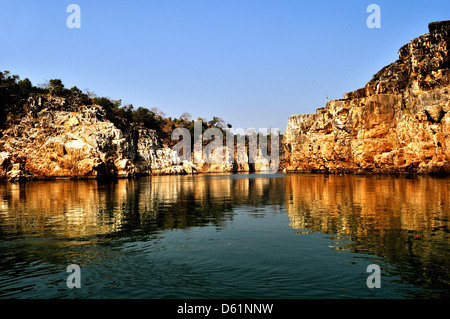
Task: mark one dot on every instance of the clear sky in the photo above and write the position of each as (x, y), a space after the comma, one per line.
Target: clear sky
(251, 62)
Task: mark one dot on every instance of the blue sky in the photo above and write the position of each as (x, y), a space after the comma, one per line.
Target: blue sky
(252, 63)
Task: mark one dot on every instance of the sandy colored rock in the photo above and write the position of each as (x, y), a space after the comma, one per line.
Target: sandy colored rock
(398, 123)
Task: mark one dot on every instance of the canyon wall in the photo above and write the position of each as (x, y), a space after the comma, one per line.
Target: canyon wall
(58, 139)
(398, 123)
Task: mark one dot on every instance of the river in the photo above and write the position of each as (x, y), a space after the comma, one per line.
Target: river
(287, 236)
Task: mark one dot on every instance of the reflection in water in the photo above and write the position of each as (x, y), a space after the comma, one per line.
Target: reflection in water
(151, 226)
(66, 221)
(406, 220)
(79, 209)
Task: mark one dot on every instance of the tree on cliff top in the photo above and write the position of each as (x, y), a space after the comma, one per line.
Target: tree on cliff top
(12, 92)
(186, 117)
(56, 87)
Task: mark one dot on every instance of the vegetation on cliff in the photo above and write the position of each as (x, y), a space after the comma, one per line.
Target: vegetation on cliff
(49, 131)
(14, 93)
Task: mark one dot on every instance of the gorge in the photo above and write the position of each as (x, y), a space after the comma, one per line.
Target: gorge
(397, 123)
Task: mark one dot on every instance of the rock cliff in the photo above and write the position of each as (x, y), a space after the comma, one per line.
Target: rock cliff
(58, 139)
(63, 138)
(398, 123)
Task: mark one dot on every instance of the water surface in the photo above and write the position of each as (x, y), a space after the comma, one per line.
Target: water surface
(227, 236)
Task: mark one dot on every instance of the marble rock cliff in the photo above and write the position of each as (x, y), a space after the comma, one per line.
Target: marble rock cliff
(57, 139)
(398, 123)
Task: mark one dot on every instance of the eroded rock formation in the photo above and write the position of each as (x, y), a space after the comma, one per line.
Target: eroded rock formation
(57, 139)
(398, 123)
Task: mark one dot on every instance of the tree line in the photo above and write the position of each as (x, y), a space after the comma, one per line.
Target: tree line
(14, 92)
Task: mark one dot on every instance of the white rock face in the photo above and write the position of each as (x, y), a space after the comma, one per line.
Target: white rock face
(55, 140)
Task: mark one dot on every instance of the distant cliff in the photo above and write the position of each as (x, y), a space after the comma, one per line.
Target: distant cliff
(51, 137)
(398, 123)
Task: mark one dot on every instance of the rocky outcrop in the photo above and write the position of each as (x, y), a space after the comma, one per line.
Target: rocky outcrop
(57, 139)
(398, 123)
(229, 163)
(234, 161)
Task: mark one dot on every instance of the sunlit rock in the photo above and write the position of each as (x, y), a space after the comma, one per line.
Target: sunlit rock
(60, 140)
(397, 123)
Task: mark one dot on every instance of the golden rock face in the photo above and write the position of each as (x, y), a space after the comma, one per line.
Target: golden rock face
(56, 140)
(397, 123)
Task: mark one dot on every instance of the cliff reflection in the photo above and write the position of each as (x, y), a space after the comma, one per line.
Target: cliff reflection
(404, 220)
(359, 205)
(76, 209)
